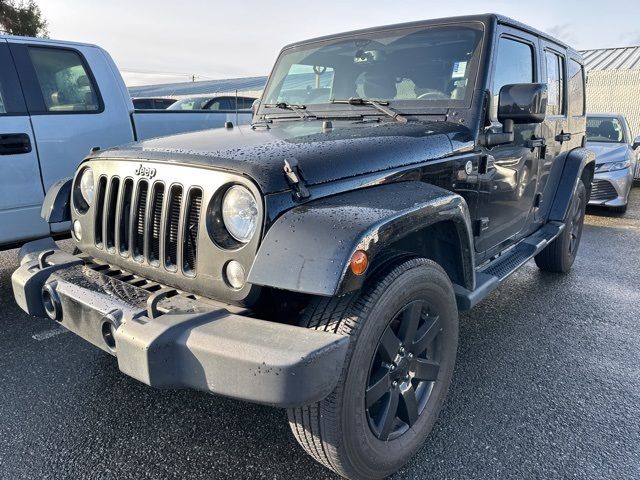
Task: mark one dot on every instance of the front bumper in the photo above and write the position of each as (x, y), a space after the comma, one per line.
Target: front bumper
(169, 340)
(611, 189)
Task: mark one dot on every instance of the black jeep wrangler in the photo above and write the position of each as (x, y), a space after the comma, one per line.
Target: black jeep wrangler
(317, 259)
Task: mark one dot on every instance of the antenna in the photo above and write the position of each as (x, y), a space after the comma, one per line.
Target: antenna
(237, 107)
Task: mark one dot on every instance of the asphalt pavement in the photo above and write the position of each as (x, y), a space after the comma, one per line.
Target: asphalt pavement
(547, 386)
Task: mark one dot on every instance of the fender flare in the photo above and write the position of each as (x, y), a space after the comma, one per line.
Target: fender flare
(575, 163)
(56, 207)
(309, 247)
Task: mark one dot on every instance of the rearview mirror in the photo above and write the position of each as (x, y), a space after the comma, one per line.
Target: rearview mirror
(522, 103)
(636, 142)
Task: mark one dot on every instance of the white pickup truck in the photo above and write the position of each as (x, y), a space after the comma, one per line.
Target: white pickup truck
(58, 100)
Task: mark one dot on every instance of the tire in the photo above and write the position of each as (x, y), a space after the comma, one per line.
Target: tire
(341, 431)
(622, 209)
(559, 255)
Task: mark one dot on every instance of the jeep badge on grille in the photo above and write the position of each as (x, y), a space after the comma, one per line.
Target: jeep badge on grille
(143, 171)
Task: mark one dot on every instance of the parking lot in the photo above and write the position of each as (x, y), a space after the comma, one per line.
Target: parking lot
(547, 385)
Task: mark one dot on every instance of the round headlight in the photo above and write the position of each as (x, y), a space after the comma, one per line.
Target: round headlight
(240, 213)
(87, 188)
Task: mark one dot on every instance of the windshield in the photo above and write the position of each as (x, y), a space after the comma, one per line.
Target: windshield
(605, 130)
(195, 103)
(418, 67)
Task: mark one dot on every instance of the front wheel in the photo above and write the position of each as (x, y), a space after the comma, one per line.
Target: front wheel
(404, 334)
(560, 254)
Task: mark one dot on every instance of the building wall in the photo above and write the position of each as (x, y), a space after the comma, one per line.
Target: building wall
(615, 91)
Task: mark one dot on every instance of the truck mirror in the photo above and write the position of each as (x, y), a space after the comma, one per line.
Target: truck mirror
(522, 103)
(636, 142)
(255, 105)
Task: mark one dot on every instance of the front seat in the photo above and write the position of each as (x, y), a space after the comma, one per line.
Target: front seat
(378, 85)
(607, 130)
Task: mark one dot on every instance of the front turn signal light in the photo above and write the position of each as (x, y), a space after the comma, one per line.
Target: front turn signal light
(359, 262)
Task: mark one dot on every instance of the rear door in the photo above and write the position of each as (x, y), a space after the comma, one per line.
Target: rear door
(556, 128)
(21, 191)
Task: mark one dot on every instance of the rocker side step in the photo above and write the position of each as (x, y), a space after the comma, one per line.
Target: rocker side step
(490, 275)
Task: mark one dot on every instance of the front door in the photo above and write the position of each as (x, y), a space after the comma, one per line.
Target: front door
(508, 182)
(21, 191)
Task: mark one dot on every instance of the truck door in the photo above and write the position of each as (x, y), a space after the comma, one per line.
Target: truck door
(68, 111)
(509, 176)
(21, 192)
(555, 128)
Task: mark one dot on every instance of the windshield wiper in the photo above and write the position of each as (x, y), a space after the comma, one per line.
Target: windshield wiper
(381, 106)
(297, 109)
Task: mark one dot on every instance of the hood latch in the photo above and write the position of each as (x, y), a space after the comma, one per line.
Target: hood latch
(295, 179)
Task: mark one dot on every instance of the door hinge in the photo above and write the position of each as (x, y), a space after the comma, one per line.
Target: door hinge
(538, 200)
(480, 226)
(563, 137)
(538, 142)
(295, 179)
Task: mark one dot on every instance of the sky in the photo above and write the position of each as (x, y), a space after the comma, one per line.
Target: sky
(162, 41)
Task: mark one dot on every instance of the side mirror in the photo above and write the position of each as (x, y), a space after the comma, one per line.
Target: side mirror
(636, 142)
(518, 103)
(255, 106)
(522, 103)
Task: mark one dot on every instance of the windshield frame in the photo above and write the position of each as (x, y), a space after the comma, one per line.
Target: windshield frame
(403, 106)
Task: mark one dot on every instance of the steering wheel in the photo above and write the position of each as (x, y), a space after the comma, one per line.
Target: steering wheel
(433, 95)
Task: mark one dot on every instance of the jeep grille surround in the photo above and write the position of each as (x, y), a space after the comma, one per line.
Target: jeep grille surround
(157, 227)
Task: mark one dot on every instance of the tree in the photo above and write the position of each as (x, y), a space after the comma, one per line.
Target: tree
(22, 18)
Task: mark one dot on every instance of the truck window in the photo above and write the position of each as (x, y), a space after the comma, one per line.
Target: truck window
(222, 103)
(65, 83)
(11, 99)
(513, 64)
(2, 107)
(576, 89)
(555, 82)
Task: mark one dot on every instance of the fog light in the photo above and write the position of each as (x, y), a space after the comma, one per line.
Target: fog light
(235, 274)
(77, 229)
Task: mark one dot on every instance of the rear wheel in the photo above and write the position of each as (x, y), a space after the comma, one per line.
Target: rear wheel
(560, 254)
(404, 332)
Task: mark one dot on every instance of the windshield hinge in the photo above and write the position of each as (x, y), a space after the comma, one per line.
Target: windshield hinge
(294, 177)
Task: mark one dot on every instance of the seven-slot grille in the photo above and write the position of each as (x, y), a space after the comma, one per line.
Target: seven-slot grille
(149, 222)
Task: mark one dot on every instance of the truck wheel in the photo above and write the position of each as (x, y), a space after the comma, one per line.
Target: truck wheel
(404, 335)
(560, 254)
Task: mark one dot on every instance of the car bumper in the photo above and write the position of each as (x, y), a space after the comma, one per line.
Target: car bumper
(611, 189)
(169, 340)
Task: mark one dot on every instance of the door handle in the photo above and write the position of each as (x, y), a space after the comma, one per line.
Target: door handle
(14, 143)
(563, 137)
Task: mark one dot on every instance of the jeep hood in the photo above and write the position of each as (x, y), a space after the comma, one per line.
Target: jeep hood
(608, 152)
(346, 150)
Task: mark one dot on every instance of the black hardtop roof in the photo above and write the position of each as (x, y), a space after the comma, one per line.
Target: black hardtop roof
(486, 18)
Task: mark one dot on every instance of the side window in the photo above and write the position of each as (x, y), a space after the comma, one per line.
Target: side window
(3, 109)
(11, 99)
(221, 104)
(555, 82)
(513, 64)
(64, 81)
(576, 89)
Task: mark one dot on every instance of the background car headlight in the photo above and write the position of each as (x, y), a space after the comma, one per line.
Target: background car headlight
(240, 213)
(612, 166)
(87, 188)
